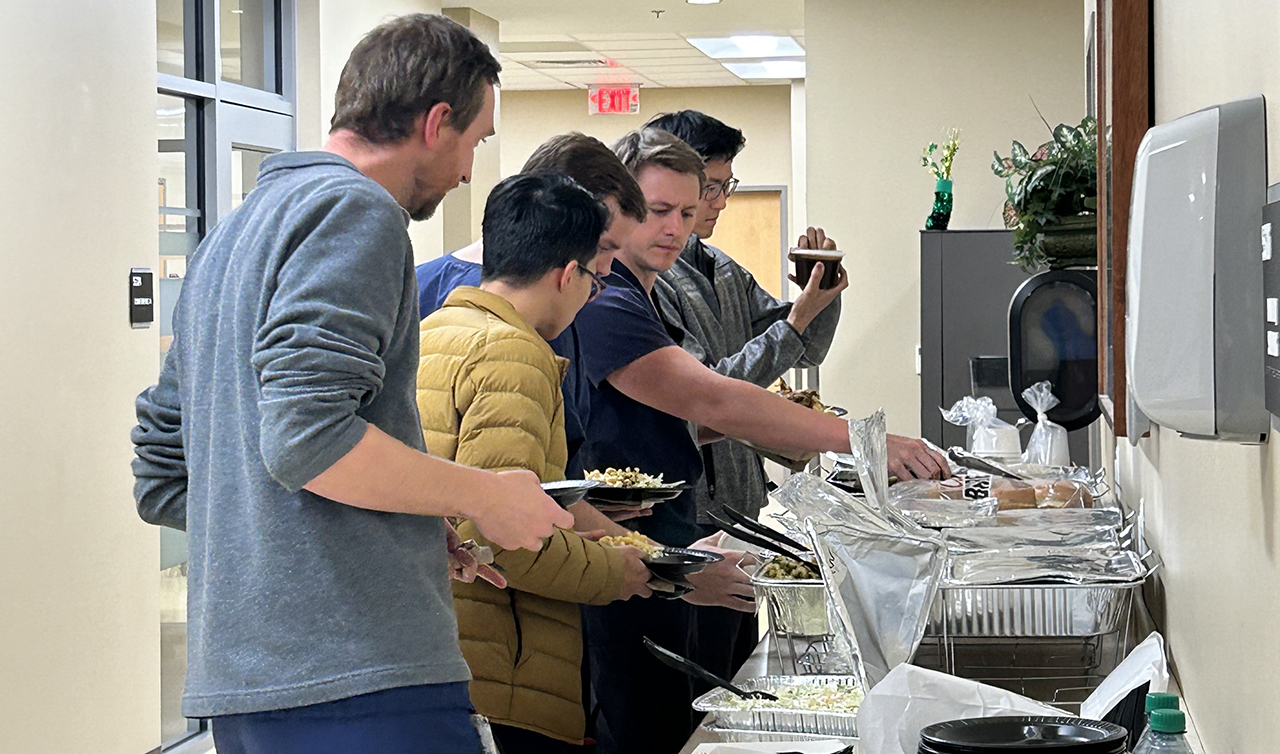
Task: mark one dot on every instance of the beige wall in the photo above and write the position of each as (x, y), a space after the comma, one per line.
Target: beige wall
(463, 208)
(80, 633)
(1211, 508)
(762, 112)
(327, 31)
(884, 79)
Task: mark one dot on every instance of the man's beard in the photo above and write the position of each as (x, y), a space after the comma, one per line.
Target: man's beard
(425, 210)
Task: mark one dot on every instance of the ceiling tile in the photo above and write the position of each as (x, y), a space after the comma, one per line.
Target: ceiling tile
(626, 36)
(617, 45)
(688, 51)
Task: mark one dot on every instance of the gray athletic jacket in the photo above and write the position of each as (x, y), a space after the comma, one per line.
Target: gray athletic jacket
(738, 329)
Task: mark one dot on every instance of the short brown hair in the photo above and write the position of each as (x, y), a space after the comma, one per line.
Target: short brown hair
(405, 67)
(651, 146)
(589, 162)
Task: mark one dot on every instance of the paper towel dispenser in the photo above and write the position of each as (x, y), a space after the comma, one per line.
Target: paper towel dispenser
(1053, 335)
(1194, 323)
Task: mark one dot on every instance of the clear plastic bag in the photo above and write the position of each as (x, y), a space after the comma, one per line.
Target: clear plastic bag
(1048, 443)
(985, 433)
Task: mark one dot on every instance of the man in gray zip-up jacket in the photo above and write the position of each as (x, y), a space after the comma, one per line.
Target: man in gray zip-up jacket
(283, 435)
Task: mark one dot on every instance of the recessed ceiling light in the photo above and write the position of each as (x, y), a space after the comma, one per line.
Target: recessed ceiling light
(702, 2)
(748, 46)
(768, 69)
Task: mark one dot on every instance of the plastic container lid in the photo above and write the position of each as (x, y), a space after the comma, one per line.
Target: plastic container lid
(1161, 701)
(1008, 735)
(1168, 721)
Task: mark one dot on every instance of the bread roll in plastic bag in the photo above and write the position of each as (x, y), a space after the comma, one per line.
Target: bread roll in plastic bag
(1048, 443)
(985, 433)
(1012, 494)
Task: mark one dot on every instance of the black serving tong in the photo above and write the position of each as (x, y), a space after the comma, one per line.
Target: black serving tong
(691, 668)
(756, 533)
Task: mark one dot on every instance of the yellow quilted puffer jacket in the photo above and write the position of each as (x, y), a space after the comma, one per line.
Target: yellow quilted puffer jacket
(489, 396)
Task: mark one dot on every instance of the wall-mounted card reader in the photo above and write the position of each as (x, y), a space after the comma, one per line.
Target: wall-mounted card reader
(142, 301)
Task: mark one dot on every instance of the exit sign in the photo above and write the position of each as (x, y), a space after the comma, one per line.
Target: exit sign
(613, 100)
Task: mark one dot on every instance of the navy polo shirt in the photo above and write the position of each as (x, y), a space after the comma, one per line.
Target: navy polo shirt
(438, 278)
(620, 326)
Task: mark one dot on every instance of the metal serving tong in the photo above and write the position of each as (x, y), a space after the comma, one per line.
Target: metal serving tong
(977, 463)
(691, 668)
(749, 530)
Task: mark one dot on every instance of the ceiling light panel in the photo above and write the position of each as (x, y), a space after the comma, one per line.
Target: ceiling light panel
(768, 69)
(748, 46)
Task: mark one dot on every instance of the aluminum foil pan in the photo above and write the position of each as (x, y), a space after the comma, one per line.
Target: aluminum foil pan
(1030, 565)
(1031, 611)
(1072, 517)
(721, 703)
(961, 541)
(736, 736)
(944, 514)
(797, 607)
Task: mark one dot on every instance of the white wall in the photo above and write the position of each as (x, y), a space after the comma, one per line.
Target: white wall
(463, 208)
(80, 633)
(884, 79)
(1211, 508)
(762, 112)
(327, 32)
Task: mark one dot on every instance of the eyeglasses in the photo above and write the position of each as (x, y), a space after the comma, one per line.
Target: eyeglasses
(598, 285)
(712, 191)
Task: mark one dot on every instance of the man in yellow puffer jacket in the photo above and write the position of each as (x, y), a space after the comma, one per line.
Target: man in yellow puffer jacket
(489, 396)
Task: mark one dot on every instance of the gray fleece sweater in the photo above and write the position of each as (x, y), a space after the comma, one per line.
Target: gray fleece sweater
(297, 328)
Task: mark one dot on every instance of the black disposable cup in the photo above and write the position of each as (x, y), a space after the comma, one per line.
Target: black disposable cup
(805, 259)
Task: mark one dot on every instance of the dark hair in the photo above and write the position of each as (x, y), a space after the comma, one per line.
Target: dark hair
(589, 162)
(708, 136)
(536, 222)
(650, 146)
(407, 66)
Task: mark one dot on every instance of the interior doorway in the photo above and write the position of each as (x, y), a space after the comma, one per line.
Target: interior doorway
(751, 229)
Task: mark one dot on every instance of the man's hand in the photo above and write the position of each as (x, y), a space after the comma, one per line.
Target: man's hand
(912, 458)
(812, 300)
(627, 514)
(463, 565)
(636, 577)
(515, 513)
(723, 584)
(816, 238)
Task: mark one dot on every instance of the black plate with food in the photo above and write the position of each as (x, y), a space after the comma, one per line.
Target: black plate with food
(568, 491)
(636, 495)
(670, 562)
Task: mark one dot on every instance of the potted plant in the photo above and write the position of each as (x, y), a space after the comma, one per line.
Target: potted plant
(940, 217)
(1052, 198)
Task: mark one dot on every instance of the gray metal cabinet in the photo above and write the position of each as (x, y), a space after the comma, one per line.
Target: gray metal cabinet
(966, 283)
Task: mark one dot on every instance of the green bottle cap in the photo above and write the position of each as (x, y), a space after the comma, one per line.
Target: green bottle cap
(1161, 701)
(1168, 721)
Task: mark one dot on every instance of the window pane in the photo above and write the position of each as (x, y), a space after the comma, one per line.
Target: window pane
(178, 200)
(244, 172)
(248, 45)
(170, 45)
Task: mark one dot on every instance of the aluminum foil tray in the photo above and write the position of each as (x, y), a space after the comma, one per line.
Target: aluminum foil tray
(736, 736)
(1031, 610)
(797, 607)
(837, 724)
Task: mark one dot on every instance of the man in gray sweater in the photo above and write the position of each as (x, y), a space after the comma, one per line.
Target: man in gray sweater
(283, 434)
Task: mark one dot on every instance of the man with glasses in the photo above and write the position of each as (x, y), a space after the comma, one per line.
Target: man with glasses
(489, 393)
(597, 169)
(740, 330)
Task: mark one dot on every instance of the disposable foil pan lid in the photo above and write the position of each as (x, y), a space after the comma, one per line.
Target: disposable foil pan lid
(1028, 565)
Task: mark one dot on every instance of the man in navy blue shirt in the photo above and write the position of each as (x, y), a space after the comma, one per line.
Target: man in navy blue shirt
(597, 169)
(650, 402)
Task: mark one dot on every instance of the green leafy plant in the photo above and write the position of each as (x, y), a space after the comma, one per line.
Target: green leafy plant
(1044, 188)
(941, 168)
